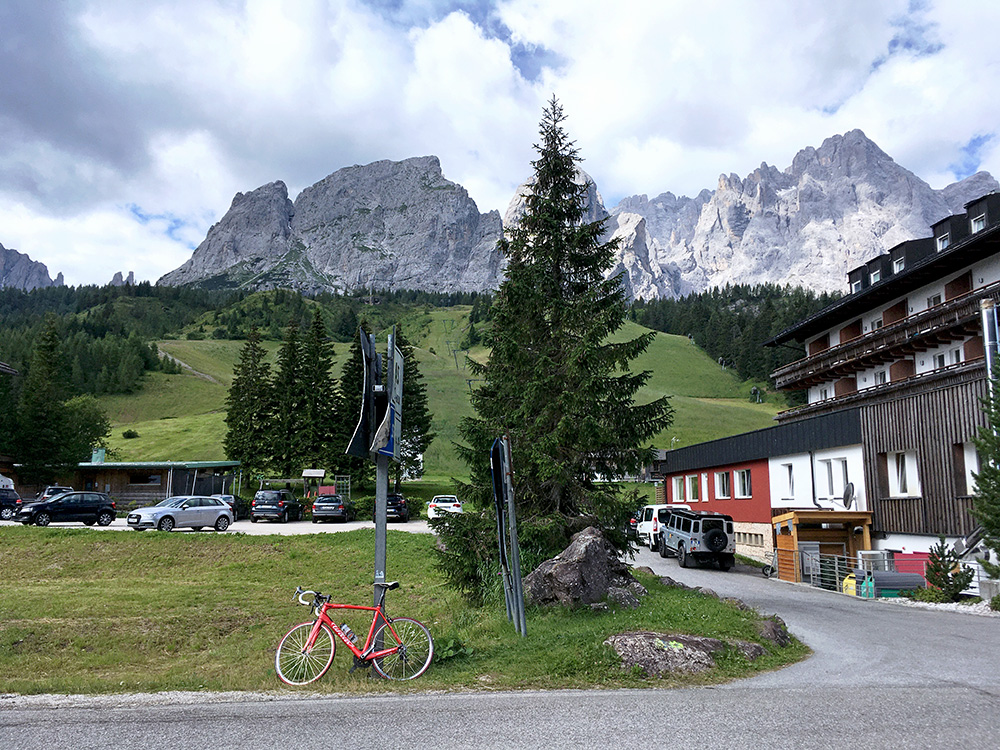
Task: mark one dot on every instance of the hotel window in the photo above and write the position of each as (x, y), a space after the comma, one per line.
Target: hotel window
(790, 476)
(939, 361)
(903, 481)
(855, 287)
(678, 489)
(979, 223)
(881, 377)
(723, 489)
(934, 301)
(898, 265)
(824, 394)
(876, 324)
(692, 487)
(876, 275)
(743, 485)
(956, 356)
(943, 241)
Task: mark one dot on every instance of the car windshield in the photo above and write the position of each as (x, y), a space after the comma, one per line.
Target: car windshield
(171, 502)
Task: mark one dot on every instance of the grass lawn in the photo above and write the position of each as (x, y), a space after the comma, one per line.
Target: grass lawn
(103, 612)
(181, 417)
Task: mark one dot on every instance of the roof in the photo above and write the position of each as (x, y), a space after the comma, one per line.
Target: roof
(831, 430)
(935, 266)
(160, 465)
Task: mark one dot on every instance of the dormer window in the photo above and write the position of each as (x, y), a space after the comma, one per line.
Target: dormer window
(898, 265)
(855, 286)
(943, 241)
(979, 223)
(876, 275)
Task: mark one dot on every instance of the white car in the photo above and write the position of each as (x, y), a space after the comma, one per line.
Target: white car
(192, 511)
(441, 504)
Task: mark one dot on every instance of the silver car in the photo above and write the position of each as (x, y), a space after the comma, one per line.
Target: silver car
(193, 511)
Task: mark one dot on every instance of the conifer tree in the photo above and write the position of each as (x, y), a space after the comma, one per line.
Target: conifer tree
(416, 431)
(319, 393)
(249, 408)
(986, 503)
(554, 381)
(288, 451)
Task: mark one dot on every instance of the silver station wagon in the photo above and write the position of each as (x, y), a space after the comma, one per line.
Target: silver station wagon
(183, 511)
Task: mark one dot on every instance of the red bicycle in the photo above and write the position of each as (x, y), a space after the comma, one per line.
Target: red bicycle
(399, 648)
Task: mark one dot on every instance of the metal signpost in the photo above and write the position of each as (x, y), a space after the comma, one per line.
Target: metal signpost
(377, 435)
(510, 556)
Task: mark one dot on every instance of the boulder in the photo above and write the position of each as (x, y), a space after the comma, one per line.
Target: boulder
(661, 654)
(774, 630)
(586, 572)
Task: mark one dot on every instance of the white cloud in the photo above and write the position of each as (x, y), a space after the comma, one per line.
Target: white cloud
(174, 106)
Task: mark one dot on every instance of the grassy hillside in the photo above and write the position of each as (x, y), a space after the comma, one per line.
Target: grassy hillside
(180, 417)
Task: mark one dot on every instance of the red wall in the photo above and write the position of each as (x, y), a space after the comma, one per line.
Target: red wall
(754, 509)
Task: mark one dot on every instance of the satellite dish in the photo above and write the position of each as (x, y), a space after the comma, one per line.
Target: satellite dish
(848, 495)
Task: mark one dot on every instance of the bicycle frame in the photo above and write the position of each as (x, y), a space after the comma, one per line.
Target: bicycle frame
(367, 652)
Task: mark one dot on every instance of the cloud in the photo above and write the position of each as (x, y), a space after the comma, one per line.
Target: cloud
(116, 113)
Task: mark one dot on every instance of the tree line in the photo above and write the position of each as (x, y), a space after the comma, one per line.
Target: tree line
(302, 414)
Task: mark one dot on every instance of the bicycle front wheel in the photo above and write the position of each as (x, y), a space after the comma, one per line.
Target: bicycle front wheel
(298, 664)
(416, 649)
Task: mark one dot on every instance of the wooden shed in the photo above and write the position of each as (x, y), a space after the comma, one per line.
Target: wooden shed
(843, 533)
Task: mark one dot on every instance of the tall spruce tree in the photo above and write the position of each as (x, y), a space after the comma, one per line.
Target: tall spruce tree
(986, 503)
(317, 426)
(555, 382)
(288, 444)
(250, 408)
(416, 431)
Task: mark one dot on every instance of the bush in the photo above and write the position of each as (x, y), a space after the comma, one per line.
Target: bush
(931, 595)
(995, 603)
(130, 434)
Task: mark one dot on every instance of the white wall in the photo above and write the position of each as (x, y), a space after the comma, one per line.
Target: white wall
(811, 479)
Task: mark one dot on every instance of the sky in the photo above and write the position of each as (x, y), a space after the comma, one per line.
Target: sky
(126, 128)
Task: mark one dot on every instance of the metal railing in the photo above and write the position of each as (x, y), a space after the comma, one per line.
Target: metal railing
(832, 571)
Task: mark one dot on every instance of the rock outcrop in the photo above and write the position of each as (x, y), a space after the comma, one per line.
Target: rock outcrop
(384, 225)
(587, 572)
(18, 271)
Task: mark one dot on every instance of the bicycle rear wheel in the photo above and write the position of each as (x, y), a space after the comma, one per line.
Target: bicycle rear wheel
(416, 649)
(298, 665)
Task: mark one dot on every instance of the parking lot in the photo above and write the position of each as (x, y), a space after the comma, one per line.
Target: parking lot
(261, 528)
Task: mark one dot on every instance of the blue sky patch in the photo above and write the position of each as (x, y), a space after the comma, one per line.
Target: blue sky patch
(173, 225)
(971, 156)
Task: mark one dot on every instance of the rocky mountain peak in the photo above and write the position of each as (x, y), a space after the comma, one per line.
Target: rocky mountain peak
(18, 271)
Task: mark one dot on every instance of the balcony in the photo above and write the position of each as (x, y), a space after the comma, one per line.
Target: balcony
(951, 321)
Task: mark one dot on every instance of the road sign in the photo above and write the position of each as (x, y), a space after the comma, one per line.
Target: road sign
(388, 436)
(362, 438)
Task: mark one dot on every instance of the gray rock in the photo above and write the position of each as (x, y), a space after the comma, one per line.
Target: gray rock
(18, 271)
(773, 629)
(661, 654)
(584, 573)
(383, 225)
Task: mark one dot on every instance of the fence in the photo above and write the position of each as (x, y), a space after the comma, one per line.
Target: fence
(832, 571)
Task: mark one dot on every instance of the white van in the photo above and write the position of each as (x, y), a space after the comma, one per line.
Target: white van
(647, 531)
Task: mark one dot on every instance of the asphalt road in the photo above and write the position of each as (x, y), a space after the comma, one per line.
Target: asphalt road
(882, 676)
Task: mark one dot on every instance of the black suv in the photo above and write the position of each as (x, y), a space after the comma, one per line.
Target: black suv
(10, 504)
(700, 536)
(275, 505)
(86, 507)
(397, 507)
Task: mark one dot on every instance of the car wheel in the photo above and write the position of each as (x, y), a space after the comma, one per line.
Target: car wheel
(166, 524)
(253, 519)
(105, 518)
(284, 517)
(6, 514)
(315, 520)
(663, 549)
(682, 557)
(654, 543)
(42, 519)
(222, 523)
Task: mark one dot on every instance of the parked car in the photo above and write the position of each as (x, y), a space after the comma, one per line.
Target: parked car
(10, 504)
(51, 491)
(275, 505)
(182, 511)
(87, 507)
(701, 536)
(633, 523)
(397, 507)
(330, 507)
(647, 529)
(442, 505)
